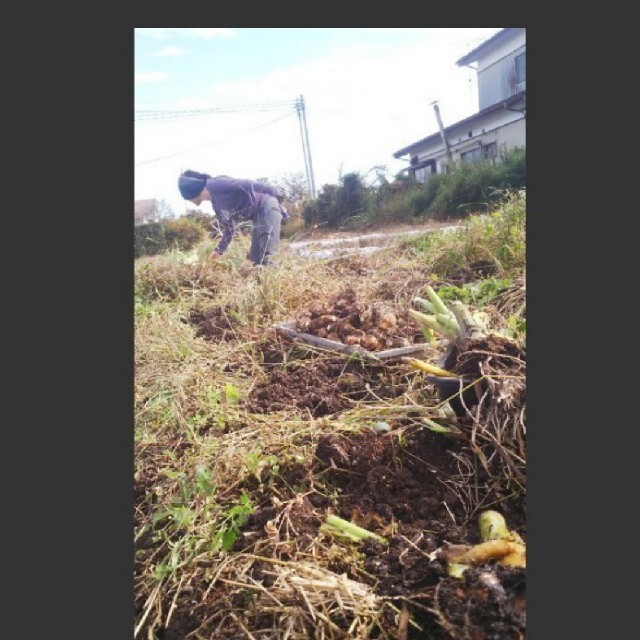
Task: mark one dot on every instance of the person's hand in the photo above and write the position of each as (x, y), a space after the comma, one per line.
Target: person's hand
(215, 255)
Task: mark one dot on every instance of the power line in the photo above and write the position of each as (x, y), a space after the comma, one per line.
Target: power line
(167, 114)
(208, 144)
(244, 107)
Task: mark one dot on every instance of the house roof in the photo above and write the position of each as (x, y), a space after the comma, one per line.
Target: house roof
(487, 45)
(494, 107)
(143, 207)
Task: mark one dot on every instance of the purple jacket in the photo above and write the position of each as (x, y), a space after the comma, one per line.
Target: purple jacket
(236, 200)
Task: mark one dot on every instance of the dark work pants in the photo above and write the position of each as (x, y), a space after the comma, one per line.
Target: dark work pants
(265, 236)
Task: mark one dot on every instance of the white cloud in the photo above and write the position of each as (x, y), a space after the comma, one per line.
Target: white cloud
(170, 52)
(151, 76)
(363, 104)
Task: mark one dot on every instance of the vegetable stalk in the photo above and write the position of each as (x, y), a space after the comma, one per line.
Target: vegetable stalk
(429, 368)
(337, 526)
(432, 322)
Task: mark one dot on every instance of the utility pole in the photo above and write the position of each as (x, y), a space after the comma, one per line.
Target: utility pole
(304, 134)
(304, 145)
(444, 138)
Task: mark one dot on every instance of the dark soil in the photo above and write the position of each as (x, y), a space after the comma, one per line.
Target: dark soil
(406, 485)
(214, 323)
(490, 355)
(323, 386)
(399, 488)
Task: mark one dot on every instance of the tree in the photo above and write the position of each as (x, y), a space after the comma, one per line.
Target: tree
(295, 190)
(164, 210)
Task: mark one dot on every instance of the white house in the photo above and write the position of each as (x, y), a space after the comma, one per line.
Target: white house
(150, 210)
(500, 123)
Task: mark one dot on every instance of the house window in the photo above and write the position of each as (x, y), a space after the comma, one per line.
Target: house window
(470, 134)
(471, 155)
(424, 173)
(490, 150)
(521, 72)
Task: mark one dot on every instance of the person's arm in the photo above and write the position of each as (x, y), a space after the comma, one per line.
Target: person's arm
(227, 227)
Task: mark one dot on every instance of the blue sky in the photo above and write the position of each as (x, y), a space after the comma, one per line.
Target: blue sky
(367, 93)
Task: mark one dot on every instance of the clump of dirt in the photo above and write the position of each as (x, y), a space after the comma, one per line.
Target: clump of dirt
(476, 270)
(489, 355)
(273, 350)
(323, 387)
(497, 366)
(374, 327)
(490, 602)
(396, 479)
(296, 523)
(214, 323)
(350, 265)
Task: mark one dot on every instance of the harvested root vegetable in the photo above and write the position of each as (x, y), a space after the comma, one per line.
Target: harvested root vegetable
(374, 327)
(387, 320)
(489, 550)
(498, 543)
(516, 559)
(370, 343)
(317, 309)
(322, 322)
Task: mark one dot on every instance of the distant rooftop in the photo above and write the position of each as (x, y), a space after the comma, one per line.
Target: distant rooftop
(494, 107)
(496, 39)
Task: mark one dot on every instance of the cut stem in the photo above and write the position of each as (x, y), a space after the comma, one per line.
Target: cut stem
(349, 529)
(429, 368)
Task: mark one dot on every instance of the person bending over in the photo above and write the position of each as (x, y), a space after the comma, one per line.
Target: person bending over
(235, 200)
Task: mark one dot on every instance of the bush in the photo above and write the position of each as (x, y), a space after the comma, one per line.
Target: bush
(335, 204)
(494, 241)
(158, 237)
(149, 239)
(474, 187)
(205, 220)
(471, 187)
(183, 233)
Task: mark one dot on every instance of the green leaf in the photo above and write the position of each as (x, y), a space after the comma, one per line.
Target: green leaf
(228, 538)
(214, 397)
(161, 570)
(203, 481)
(231, 393)
(174, 475)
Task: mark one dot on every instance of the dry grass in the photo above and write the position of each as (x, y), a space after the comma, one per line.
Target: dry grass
(199, 452)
